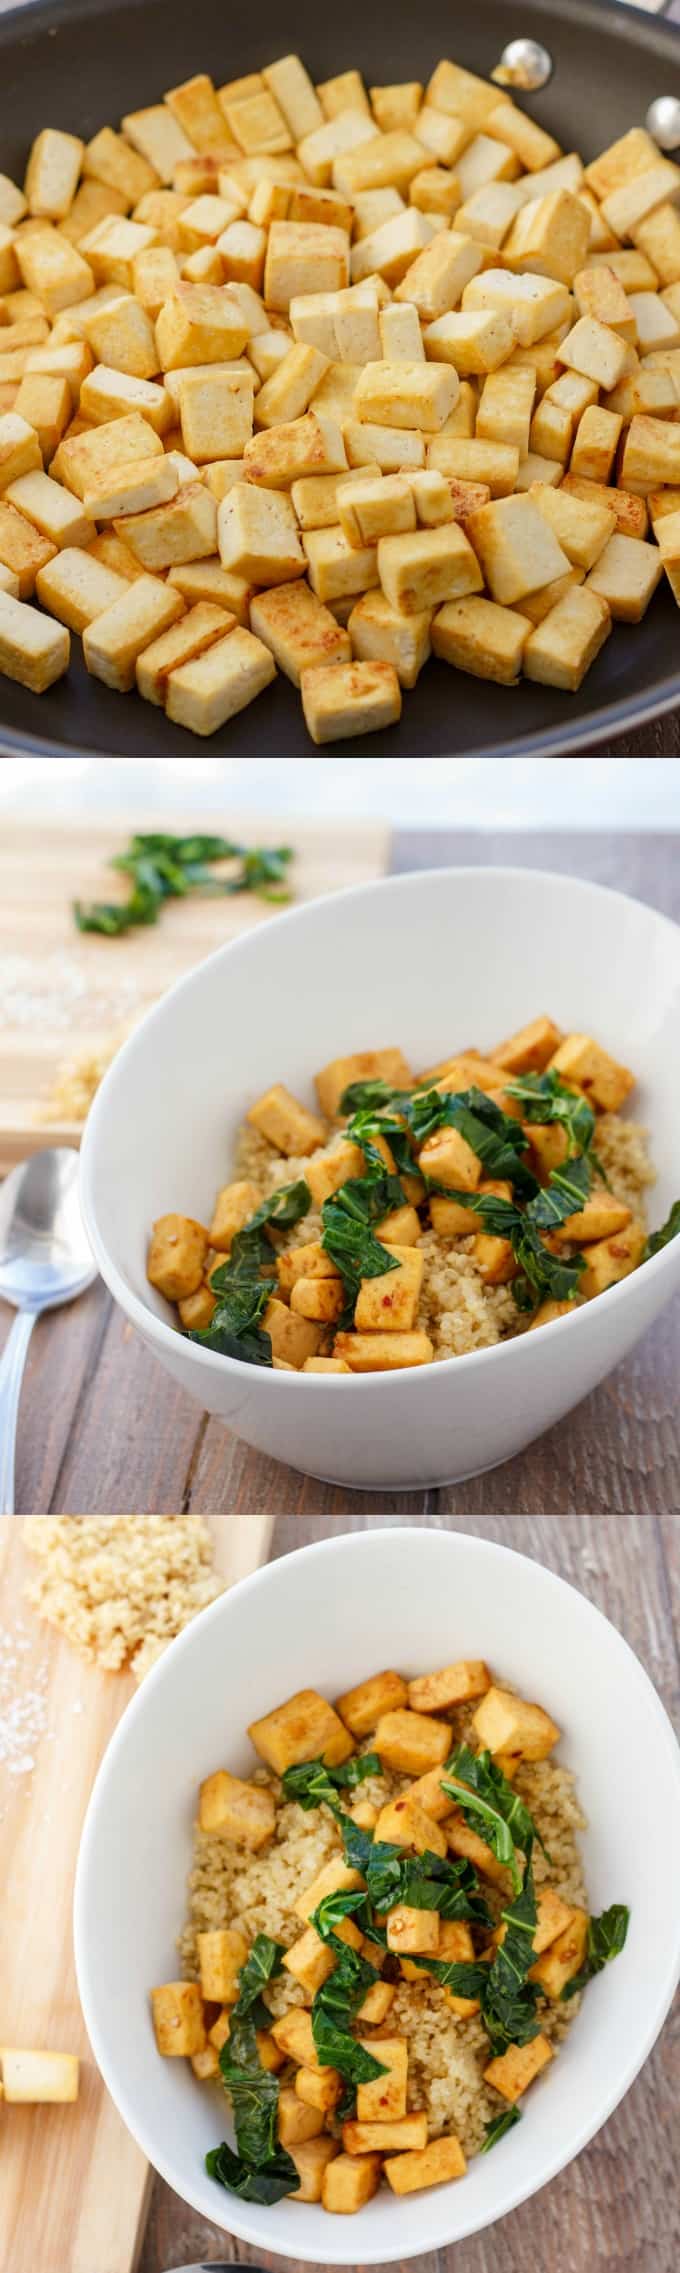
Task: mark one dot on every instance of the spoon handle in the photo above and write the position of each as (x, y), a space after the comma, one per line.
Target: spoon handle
(11, 1376)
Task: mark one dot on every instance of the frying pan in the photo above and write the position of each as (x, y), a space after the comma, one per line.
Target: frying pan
(82, 66)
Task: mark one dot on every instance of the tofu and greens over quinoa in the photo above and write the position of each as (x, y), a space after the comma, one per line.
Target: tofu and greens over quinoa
(411, 1219)
(388, 1935)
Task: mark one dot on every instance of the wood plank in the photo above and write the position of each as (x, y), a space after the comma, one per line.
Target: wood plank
(619, 2202)
(74, 2185)
(62, 991)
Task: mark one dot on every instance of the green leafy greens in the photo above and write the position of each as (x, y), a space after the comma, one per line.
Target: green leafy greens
(163, 867)
(669, 1230)
(508, 1999)
(482, 1791)
(245, 1282)
(260, 2170)
(347, 1236)
(606, 1939)
(498, 2126)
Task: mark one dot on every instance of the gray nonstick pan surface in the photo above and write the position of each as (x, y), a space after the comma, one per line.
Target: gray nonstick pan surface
(83, 63)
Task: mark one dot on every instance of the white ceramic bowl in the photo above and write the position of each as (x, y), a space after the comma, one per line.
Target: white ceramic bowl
(432, 961)
(414, 1598)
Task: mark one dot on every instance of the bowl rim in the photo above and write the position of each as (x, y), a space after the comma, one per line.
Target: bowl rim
(212, 1362)
(255, 2232)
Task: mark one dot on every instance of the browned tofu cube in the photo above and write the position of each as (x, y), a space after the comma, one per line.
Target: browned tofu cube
(221, 1954)
(431, 2166)
(562, 648)
(293, 1339)
(311, 2158)
(233, 1208)
(320, 1299)
(309, 1261)
(364, 1065)
(219, 2033)
(362, 1707)
(319, 2088)
(205, 2064)
(530, 1050)
(448, 1159)
(383, 1353)
(335, 1878)
(311, 1960)
(494, 1258)
(581, 1060)
(389, 1304)
(552, 1917)
(296, 2122)
(372, 2138)
(304, 1728)
(453, 1685)
(515, 2069)
(462, 1840)
(197, 1309)
(609, 1260)
(427, 1793)
(294, 2036)
(409, 1743)
(325, 1175)
(236, 1810)
(412, 1932)
(384, 2100)
(176, 1258)
(506, 1723)
(349, 2182)
(564, 1956)
(600, 1216)
(285, 1122)
(177, 2011)
(404, 1823)
(377, 2001)
(456, 1947)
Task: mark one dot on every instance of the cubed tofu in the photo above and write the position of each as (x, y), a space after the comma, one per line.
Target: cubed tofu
(84, 459)
(456, 1947)
(420, 570)
(285, 1122)
(448, 1159)
(402, 1227)
(416, 395)
(298, 629)
(561, 649)
(581, 529)
(310, 1961)
(626, 576)
(258, 537)
(33, 651)
(336, 1877)
(20, 451)
(387, 1065)
(372, 506)
(292, 1339)
(462, 1840)
(563, 1957)
(652, 454)
(303, 256)
(28, 2078)
(236, 1810)
(234, 1206)
(412, 1932)
(206, 2064)
(361, 1708)
(177, 1255)
(596, 443)
(199, 324)
(667, 533)
(515, 2069)
(345, 699)
(530, 1049)
(411, 1742)
(505, 407)
(204, 693)
(404, 1823)
(221, 1954)
(318, 2088)
(550, 236)
(481, 638)
(377, 2001)
(216, 414)
(384, 2099)
(390, 1303)
(506, 1723)
(294, 2037)
(25, 551)
(350, 2181)
(383, 1353)
(312, 2158)
(533, 305)
(76, 586)
(608, 1260)
(325, 1176)
(380, 633)
(517, 549)
(337, 568)
(304, 1728)
(53, 269)
(474, 340)
(630, 511)
(115, 639)
(428, 1794)
(177, 2013)
(583, 1061)
(321, 1299)
(434, 2165)
(452, 1685)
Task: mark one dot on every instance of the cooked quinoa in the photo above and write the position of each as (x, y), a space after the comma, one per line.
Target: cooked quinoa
(121, 1587)
(257, 1893)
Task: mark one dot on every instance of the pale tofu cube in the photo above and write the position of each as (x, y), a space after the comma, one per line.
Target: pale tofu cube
(462, 95)
(159, 138)
(564, 1956)
(505, 408)
(630, 511)
(236, 1810)
(258, 536)
(464, 1842)
(76, 587)
(434, 2165)
(474, 340)
(390, 1303)
(517, 549)
(599, 293)
(135, 488)
(506, 1723)
(12, 202)
(380, 633)
(667, 532)
(483, 639)
(221, 1954)
(452, 1685)
(625, 207)
(413, 395)
(177, 1256)
(484, 160)
(310, 445)
(20, 451)
(195, 631)
(306, 1727)
(298, 629)
(400, 334)
(287, 394)
(420, 570)
(411, 1743)
(475, 470)
(349, 698)
(583, 530)
(412, 1932)
(216, 414)
(384, 2099)
(436, 191)
(387, 161)
(392, 448)
(310, 1961)
(114, 640)
(383, 1353)
(436, 280)
(50, 509)
(596, 351)
(312, 2158)
(199, 323)
(195, 106)
(456, 1946)
(29, 2078)
(53, 269)
(285, 1122)
(345, 130)
(44, 399)
(372, 506)
(626, 577)
(390, 250)
(609, 1260)
(84, 460)
(303, 257)
(349, 2182)
(177, 2013)
(581, 1060)
(550, 236)
(533, 305)
(52, 173)
(335, 1877)
(33, 651)
(515, 2069)
(321, 1299)
(292, 88)
(652, 454)
(560, 650)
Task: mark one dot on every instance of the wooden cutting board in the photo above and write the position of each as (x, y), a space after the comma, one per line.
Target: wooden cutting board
(73, 2184)
(63, 992)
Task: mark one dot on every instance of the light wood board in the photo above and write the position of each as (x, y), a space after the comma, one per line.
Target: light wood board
(73, 2184)
(63, 992)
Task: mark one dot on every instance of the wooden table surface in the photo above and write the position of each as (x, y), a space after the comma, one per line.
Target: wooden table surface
(618, 2206)
(103, 1428)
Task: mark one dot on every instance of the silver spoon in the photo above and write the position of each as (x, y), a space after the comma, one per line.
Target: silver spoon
(44, 1260)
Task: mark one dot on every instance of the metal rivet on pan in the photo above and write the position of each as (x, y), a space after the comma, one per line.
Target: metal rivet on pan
(663, 121)
(524, 63)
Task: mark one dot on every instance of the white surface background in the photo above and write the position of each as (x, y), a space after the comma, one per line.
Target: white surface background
(453, 793)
